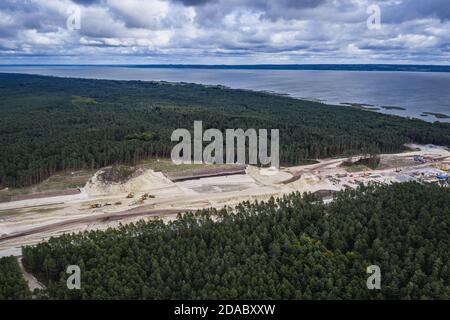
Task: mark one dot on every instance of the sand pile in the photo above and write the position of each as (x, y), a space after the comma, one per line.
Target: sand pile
(142, 180)
(309, 183)
(267, 176)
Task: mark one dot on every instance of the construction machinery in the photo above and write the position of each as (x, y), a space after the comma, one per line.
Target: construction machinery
(130, 195)
(420, 159)
(444, 176)
(146, 196)
(366, 172)
(441, 166)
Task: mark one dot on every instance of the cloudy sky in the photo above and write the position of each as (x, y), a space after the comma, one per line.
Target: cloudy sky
(224, 31)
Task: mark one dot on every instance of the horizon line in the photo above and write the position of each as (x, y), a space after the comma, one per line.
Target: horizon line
(222, 64)
(374, 67)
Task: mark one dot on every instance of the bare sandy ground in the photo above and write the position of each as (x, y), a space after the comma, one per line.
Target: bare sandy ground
(30, 221)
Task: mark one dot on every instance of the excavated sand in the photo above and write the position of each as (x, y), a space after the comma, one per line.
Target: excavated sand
(58, 215)
(267, 176)
(142, 181)
(309, 182)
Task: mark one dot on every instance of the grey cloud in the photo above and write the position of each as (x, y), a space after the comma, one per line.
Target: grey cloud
(27, 15)
(194, 3)
(192, 29)
(86, 2)
(295, 4)
(209, 11)
(416, 9)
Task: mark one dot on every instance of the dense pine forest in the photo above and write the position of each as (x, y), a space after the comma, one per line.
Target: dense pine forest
(12, 285)
(50, 124)
(296, 247)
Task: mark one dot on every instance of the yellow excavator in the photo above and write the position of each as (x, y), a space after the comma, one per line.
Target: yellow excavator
(442, 166)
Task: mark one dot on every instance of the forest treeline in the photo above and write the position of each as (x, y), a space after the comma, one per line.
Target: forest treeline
(295, 247)
(50, 124)
(12, 284)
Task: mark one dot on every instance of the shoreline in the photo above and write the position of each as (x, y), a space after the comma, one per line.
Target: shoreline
(380, 67)
(378, 108)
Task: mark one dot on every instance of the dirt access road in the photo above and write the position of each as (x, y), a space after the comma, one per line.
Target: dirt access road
(30, 221)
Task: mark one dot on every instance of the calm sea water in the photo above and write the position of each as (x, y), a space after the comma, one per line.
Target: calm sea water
(417, 92)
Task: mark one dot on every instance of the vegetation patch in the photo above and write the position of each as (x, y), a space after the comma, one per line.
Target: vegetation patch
(355, 167)
(315, 250)
(58, 182)
(78, 100)
(166, 166)
(12, 284)
(41, 133)
(117, 174)
(371, 162)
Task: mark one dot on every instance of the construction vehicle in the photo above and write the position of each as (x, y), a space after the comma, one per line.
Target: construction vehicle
(118, 203)
(144, 196)
(445, 176)
(95, 205)
(130, 195)
(366, 172)
(420, 159)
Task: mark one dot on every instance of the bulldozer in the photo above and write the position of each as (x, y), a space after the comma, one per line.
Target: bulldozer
(146, 196)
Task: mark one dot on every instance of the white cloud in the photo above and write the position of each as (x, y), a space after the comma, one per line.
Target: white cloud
(225, 31)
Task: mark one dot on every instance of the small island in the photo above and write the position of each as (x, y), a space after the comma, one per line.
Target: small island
(393, 108)
(437, 115)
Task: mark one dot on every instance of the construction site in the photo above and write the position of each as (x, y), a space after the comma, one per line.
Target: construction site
(109, 198)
